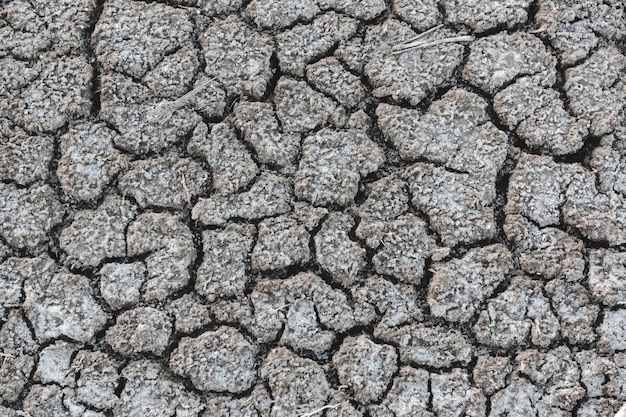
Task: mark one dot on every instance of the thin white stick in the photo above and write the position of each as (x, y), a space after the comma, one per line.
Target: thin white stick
(163, 111)
(407, 47)
(420, 36)
(621, 412)
(319, 410)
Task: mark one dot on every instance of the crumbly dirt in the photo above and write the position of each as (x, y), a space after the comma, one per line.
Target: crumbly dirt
(312, 208)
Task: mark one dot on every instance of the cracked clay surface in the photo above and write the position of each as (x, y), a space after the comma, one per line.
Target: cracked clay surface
(274, 208)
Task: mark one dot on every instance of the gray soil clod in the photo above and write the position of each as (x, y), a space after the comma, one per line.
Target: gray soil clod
(312, 208)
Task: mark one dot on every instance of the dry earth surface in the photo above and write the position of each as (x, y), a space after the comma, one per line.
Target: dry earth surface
(265, 208)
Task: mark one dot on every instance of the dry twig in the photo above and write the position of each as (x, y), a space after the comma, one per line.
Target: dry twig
(419, 41)
(319, 410)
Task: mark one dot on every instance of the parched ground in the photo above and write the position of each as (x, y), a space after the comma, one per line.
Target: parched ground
(269, 208)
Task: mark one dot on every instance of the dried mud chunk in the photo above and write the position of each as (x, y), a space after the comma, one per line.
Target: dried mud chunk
(278, 14)
(459, 286)
(27, 215)
(612, 331)
(514, 315)
(237, 56)
(131, 38)
(599, 216)
(420, 14)
(405, 246)
(330, 77)
(342, 407)
(619, 379)
(14, 271)
(167, 181)
(556, 373)
(174, 73)
(434, 346)
(25, 159)
(120, 284)
(597, 373)
(144, 121)
(394, 303)
(455, 131)
(28, 29)
(548, 251)
(5, 250)
(170, 248)
(63, 92)
(336, 253)
(537, 188)
(491, 372)
(307, 298)
(607, 270)
(302, 329)
(257, 404)
(232, 166)
(519, 398)
(260, 129)
(365, 367)
(498, 59)
(140, 330)
(88, 161)
(452, 392)
(190, 314)
(234, 312)
(577, 315)
(571, 27)
(96, 235)
(213, 7)
(97, 379)
(149, 390)
(599, 407)
(359, 9)
(301, 109)
(18, 360)
(282, 242)
(210, 98)
(596, 89)
(333, 163)
(303, 43)
(482, 15)
(46, 401)
(268, 196)
(220, 360)
(63, 305)
(458, 205)
(308, 215)
(412, 75)
(409, 396)
(608, 162)
(350, 52)
(297, 385)
(388, 198)
(55, 363)
(540, 118)
(222, 273)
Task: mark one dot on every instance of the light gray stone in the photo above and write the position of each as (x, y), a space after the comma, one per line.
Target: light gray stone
(237, 56)
(27, 215)
(221, 360)
(332, 165)
(232, 166)
(140, 330)
(96, 235)
(63, 305)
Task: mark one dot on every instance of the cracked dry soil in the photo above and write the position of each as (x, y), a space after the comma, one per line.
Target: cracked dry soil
(235, 208)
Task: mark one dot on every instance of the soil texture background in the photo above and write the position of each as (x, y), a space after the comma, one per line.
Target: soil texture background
(308, 208)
